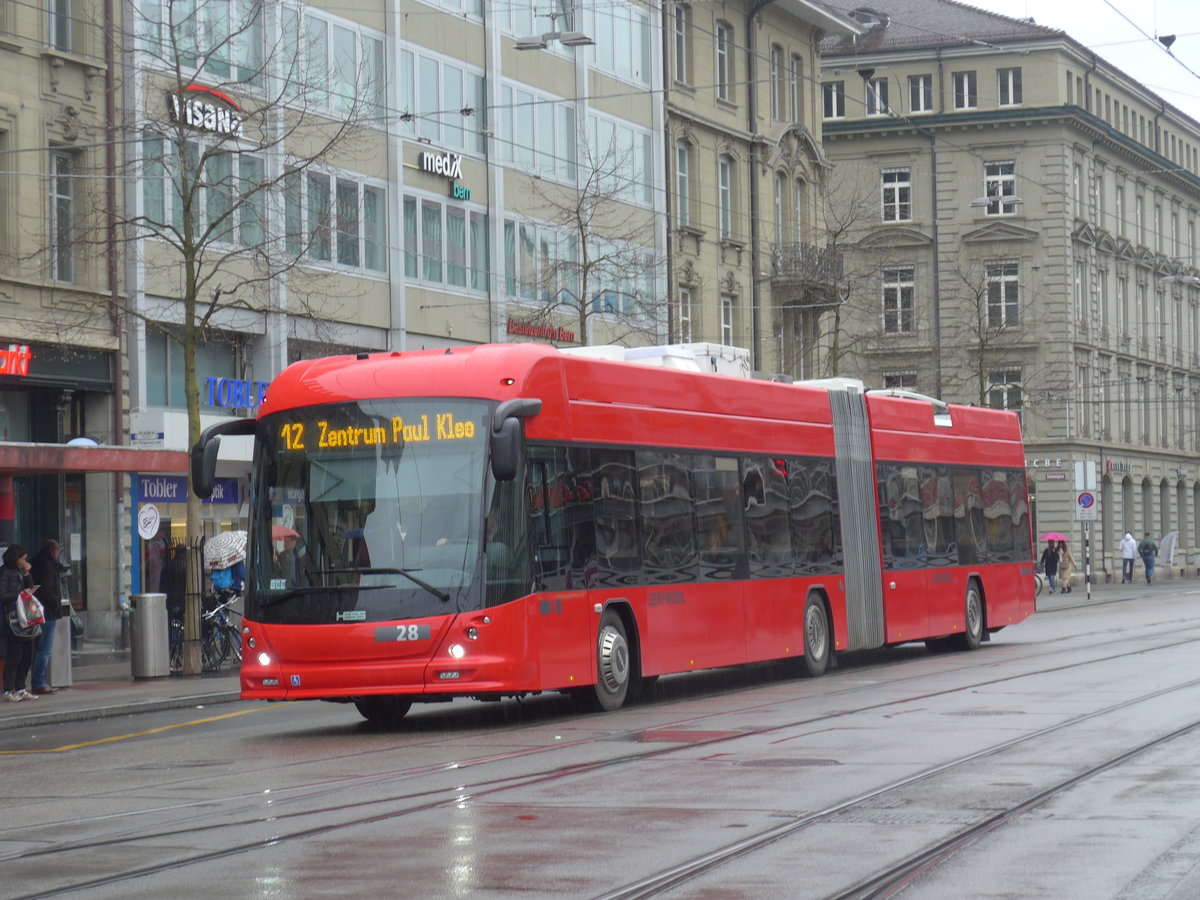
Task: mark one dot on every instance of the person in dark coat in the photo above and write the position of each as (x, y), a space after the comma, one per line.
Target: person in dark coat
(47, 570)
(18, 652)
(1050, 564)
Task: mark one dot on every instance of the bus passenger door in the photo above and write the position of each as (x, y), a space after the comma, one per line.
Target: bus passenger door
(905, 554)
(563, 544)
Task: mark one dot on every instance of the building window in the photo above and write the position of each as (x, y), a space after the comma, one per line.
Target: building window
(900, 381)
(898, 312)
(1009, 87)
(798, 92)
(727, 320)
(1004, 390)
(724, 61)
(683, 43)
(62, 216)
(781, 191)
(920, 93)
(60, 24)
(622, 33)
(225, 42)
(778, 84)
(897, 195)
(1120, 210)
(1003, 294)
(683, 182)
(216, 357)
(966, 95)
(877, 97)
(685, 315)
(835, 99)
(725, 196)
(1000, 183)
(798, 195)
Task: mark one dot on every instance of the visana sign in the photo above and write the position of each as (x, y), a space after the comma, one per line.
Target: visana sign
(196, 112)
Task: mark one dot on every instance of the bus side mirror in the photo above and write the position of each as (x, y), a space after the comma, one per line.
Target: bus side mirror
(506, 435)
(204, 454)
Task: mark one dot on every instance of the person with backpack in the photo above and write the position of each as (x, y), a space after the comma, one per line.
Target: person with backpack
(1148, 550)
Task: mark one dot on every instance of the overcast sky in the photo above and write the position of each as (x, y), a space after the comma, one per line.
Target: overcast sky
(1111, 28)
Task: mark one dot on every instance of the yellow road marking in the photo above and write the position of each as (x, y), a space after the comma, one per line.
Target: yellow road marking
(137, 734)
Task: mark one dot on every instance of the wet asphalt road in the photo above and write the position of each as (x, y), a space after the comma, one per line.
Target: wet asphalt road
(1057, 761)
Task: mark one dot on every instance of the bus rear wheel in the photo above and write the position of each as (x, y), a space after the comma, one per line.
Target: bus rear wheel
(972, 635)
(614, 667)
(816, 637)
(383, 711)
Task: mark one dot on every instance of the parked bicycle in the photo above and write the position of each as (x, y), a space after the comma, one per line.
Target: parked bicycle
(220, 637)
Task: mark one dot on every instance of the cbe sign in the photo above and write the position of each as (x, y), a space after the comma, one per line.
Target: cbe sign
(1085, 507)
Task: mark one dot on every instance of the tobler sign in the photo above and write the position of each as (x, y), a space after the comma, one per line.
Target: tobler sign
(192, 106)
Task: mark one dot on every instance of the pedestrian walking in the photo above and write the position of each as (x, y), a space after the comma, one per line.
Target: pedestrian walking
(47, 570)
(1148, 550)
(1050, 564)
(1128, 556)
(18, 649)
(1066, 567)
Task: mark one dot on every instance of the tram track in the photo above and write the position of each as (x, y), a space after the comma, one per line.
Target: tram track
(288, 824)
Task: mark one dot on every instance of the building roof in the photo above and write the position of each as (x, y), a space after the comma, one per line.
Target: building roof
(919, 24)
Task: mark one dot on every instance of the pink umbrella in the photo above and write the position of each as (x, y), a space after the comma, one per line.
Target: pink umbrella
(1053, 536)
(279, 532)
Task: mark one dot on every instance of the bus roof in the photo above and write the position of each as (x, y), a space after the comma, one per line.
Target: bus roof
(607, 401)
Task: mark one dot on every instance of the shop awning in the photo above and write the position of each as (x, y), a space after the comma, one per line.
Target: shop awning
(59, 459)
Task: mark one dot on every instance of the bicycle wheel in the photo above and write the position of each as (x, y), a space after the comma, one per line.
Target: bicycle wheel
(1038, 583)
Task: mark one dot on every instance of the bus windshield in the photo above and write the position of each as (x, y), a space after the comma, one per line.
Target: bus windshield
(369, 511)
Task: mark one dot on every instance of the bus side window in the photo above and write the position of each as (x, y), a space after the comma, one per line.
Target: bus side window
(560, 517)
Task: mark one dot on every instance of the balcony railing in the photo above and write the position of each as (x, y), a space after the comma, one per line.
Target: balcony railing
(813, 273)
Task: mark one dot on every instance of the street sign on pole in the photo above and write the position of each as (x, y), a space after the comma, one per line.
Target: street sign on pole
(1085, 507)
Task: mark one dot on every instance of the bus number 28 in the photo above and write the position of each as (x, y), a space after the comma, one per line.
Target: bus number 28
(402, 633)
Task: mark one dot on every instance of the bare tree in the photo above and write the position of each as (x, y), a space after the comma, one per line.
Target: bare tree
(847, 326)
(238, 102)
(596, 260)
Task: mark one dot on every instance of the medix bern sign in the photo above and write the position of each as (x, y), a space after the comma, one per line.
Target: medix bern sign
(448, 164)
(15, 360)
(190, 106)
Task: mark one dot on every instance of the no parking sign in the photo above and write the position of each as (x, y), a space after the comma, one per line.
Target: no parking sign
(1085, 507)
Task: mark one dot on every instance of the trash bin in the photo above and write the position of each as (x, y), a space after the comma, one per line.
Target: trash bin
(59, 671)
(149, 651)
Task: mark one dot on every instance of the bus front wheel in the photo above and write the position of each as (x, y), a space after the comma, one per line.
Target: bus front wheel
(614, 667)
(972, 634)
(816, 636)
(383, 711)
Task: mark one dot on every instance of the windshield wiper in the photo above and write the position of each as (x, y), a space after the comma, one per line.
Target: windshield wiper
(408, 573)
(317, 589)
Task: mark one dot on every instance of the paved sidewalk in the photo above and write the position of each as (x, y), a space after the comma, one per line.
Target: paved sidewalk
(108, 691)
(119, 697)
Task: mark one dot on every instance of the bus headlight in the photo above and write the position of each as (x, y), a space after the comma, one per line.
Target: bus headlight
(264, 659)
(473, 633)
(457, 651)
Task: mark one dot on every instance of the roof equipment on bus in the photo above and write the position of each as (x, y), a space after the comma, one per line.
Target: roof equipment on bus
(941, 410)
(719, 359)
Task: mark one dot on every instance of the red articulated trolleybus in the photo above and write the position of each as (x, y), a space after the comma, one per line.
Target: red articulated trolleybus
(506, 519)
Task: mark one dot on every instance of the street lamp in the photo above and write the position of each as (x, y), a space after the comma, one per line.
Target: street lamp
(999, 198)
(566, 38)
